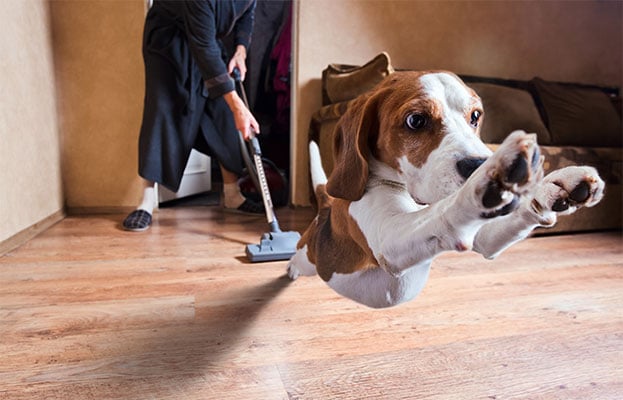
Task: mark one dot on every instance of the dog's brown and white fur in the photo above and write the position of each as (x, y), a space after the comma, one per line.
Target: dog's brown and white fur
(412, 179)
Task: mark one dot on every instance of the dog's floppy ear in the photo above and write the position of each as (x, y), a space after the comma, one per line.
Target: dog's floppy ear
(353, 133)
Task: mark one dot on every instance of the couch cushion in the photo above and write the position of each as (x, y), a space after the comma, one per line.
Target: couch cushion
(345, 82)
(578, 116)
(506, 110)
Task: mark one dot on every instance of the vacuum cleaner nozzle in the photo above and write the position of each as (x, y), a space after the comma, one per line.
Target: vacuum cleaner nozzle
(274, 246)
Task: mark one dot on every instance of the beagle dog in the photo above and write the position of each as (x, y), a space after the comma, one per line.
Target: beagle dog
(412, 179)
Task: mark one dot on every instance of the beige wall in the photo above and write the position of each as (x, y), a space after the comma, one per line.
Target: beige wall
(30, 173)
(72, 91)
(557, 40)
(94, 52)
(99, 70)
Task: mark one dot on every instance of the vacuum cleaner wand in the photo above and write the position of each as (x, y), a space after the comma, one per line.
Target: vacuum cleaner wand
(268, 203)
(275, 245)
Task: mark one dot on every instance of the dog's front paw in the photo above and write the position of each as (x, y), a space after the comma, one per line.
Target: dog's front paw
(565, 190)
(510, 172)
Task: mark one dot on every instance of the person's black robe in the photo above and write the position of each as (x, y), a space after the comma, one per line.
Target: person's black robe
(185, 79)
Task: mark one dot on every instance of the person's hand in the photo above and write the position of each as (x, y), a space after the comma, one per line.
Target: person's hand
(245, 121)
(239, 61)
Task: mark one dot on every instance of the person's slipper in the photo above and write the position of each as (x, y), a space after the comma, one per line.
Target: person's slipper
(137, 221)
(248, 207)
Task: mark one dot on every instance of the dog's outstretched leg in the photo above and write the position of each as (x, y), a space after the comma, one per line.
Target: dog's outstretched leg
(562, 192)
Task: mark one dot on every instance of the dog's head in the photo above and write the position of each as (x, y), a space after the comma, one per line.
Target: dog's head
(420, 128)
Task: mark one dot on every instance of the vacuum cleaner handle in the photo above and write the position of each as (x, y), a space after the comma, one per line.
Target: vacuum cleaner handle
(236, 74)
(238, 79)
(259, 166)
(268, 203)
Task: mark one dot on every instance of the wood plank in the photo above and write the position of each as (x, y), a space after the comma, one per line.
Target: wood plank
(88, 311)
(523, 366)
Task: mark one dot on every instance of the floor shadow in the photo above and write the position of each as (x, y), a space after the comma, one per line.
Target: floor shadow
(216, 337)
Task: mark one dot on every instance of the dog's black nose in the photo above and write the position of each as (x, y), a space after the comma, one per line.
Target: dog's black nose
(467, 166)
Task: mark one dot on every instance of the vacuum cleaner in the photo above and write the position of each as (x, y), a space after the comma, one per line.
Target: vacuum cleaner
(275, 245)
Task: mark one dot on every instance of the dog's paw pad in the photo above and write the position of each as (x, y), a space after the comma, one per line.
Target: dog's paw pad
(581, 192)
(577, 197)
(561, 204)
(520, 169)
(507, 209)
(493, 195)
(568, 189)
(512, 171)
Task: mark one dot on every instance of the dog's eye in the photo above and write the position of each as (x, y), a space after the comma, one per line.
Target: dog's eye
(475, 118)
(416, 121)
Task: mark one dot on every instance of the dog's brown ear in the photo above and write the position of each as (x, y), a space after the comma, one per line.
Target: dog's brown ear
(352, 135)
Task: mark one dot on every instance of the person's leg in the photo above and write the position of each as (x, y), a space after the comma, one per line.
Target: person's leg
(140, 219)
(172, 111)
(220, 139)
(233, 199)
(149, 197)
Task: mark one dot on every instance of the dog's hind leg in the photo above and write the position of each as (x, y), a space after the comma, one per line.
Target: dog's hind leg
(299, 264)
(561, 192)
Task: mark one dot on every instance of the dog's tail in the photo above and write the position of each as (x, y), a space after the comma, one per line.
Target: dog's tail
(318, 176)
(315, 166)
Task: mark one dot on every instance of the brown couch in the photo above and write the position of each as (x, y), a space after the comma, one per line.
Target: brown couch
(575, 124)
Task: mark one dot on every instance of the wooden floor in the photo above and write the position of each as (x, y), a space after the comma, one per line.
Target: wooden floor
(88, 311)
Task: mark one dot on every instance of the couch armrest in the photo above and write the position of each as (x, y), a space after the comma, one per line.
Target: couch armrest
(326, 114)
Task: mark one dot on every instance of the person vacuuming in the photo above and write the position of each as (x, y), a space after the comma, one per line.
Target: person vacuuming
(190, 98)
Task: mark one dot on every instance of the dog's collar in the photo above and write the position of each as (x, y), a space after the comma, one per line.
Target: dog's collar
(398, 186)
